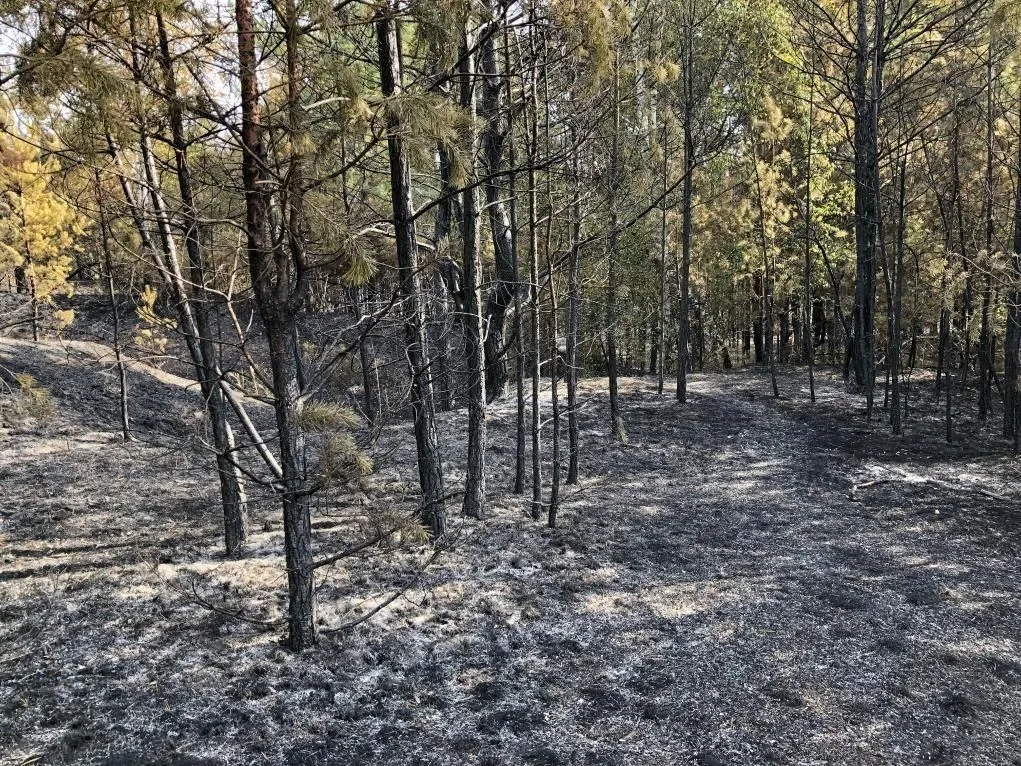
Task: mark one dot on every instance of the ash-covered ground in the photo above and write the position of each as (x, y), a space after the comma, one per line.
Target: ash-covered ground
(747, 581)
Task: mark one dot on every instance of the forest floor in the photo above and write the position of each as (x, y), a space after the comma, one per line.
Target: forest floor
(747, 581)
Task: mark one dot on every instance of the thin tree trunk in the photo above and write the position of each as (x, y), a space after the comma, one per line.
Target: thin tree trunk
(661, 323)
(616, 420)
(430, 468)
(475, 477)
(519, 319)
(439, 330)
(235, 506)
(554, 496)
(683, 278)
(1012, 341)
(867, 88)
(807, 336)
(502, 294)
(302, 632)
(533, 275)
(279, 300)
(574, 318)
(368, 367)
(768, 267)
(554, 355)
(894, 363)
(947, 356)
(985, 353)
(122, 375)
(170, 274)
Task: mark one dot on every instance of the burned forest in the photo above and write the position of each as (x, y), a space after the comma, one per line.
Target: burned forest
(553, 383)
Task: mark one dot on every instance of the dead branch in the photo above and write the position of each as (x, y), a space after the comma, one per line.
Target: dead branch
(235, 614)
(854, 490)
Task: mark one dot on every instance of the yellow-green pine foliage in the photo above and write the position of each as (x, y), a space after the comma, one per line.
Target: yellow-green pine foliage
(151, 333)
(38, 228)
(341, 461)
(25, 402)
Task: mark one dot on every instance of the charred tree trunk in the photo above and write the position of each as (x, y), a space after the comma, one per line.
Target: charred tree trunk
(574, 318)
(502, 293)
(1012, 341)
(370, 379)
(122, 374)
(430, 468)
(280, 291)
(867, 87)
(758, 317)
(807, 334)
(897, 302)
(687, 201)
(235, 507)
(768, 269)
(475, 473)
(519, 321)
(985, 344)
(616, 419)
(554, 495)
(659, 351)
(532, 129)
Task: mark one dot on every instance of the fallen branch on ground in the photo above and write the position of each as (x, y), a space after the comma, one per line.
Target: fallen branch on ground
(914, 479)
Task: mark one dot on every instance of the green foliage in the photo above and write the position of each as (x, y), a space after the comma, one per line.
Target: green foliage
(340, 461)
(393, 527)
(322, 417)
(151, 334)
(592, 29)
(39, 228)
(26, 402)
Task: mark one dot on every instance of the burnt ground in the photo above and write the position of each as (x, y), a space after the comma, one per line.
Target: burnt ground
(718, 593)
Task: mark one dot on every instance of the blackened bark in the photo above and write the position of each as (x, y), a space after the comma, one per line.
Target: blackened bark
(235, 506)
(1012, 342)
(501, 295)
(448, 297)
(475, 474)
(573, 321)
(757, 318)
(536, 328)
(866, 192)
(659, 348)
(554, 495)
(985, 350)
(365, 357)
(616, 419)
(897, 303)
(295, 490)
(687, 201)
(279, 288)
(430, 469)
(122, 376)
(768, 268)
(807, 335)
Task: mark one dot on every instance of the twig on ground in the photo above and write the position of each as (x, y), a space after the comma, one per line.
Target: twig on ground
(915, 479)
(235, 614)
(854, 490)
(386, 602)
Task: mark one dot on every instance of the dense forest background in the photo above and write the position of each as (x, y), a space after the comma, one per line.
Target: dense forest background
(360, 212)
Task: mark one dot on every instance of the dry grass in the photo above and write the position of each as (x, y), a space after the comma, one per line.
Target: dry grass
(714, 596)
